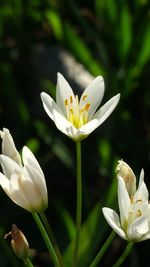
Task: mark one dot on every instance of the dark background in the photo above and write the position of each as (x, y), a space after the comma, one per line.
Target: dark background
(80, 39)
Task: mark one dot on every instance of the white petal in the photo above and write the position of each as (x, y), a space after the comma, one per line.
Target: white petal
(65, 126)
(89, 127)
(30, 160)
(8, 165)
(124, 170)
(16, 189)
(100, 116)
(113, 220)
(103, 113)
(39, 186)
(4, 182)
(49, 104)
(142, 193)
(123, 200)
(63, 92)
(93, 94)
(141, 177)
(8, 147)
(138, 228)
(11, 188)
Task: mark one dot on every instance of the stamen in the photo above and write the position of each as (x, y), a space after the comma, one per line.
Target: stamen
(71, 111)
(139, 200)
(84, 97)
(130, 217)
(132, 199)
(87, 107)
(71, 99)
(66, 102)
(139, 213)
(130, 213)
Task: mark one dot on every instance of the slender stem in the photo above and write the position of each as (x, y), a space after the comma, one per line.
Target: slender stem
(124, 255)
(79, 204)
(103, 250)
(46, 239)
(28, 263)
(52, 237)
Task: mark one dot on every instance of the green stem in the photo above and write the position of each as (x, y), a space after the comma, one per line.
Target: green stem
(103, 250)
(28, 263)
(46, 239)
(52, 237)
(124, 255)
(79, 204)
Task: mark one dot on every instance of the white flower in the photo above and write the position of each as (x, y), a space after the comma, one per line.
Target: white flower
(78, 118)
(133, 224)
(23, 183)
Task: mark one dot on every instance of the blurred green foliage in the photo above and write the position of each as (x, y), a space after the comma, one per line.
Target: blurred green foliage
(110, 38)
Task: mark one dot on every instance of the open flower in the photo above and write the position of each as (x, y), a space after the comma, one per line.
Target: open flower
(78, 118)
(23, 182)
(134, 221)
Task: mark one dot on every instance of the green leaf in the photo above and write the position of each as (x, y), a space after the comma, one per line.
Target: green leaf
(80, 50)
(125, 32)
(91, 235)
(67, 220)
(144, 54)
(108, 6)
(62, 152)
(55, 22)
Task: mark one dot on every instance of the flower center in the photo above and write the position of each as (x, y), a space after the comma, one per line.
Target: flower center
(75, 114)
(135, 209)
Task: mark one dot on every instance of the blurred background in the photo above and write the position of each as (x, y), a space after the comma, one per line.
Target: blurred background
(80, 39)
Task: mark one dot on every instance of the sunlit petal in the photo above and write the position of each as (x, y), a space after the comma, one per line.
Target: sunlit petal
(93, 95)
(137, 229)
(63, 92)
(8, 165)
(113, 220)
(64, 125)
(30, 160)
(49, 104)
(123, 200)
(8, 146)
(103, 113)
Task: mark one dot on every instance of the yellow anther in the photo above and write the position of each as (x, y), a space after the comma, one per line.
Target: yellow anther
(71, 111)
(139, 200)
(132, 199)
(84, 97)
(87, 107)
(71, 100)
(66, 102)
(139, 213)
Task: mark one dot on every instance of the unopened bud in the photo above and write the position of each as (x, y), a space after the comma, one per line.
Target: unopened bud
(19, 243)
(123, 170)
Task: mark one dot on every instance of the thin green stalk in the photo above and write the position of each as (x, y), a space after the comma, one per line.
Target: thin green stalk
(124, 255)
(52, 237)
(46, 239)
(103, 250)
(28, 263)
(79, 204)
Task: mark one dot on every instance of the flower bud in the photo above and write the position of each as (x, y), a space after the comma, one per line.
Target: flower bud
(19, 243)
(8, 146)
(123, 170)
